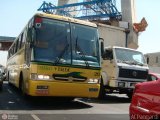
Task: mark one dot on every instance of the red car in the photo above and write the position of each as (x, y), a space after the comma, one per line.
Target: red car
(145, 104)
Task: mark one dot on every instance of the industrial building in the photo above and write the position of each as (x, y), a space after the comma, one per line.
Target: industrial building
(5, 42)
(153, 60)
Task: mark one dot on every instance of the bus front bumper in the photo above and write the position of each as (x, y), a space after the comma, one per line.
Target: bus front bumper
(62, 89)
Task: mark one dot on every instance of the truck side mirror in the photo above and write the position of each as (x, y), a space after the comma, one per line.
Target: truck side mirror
(104, 56)
(107, 55)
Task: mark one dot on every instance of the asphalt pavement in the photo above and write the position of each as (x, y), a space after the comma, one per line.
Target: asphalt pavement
(13, 105)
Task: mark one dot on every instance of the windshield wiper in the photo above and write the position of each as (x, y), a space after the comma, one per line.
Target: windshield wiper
(61, 54)
(137, 63)
(131, 62)
(81, 53)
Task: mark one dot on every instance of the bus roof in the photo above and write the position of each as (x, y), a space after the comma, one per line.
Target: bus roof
(64, 18)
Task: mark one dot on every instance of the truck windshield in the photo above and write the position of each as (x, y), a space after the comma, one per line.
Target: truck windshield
(62, 42)
(129, 56)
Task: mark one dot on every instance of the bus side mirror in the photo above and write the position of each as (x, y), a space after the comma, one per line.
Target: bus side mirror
(31, 34)
(102, 46)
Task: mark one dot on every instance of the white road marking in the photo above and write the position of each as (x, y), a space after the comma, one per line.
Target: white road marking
(35, 117)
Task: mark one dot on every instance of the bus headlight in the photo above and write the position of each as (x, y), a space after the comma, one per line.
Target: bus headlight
(40, 77)
(93, 80)
(43, 77)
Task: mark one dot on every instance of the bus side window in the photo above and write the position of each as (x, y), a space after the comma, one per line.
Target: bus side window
(9, 54)
(20, 41)
(24, 38)
(13, 49)
(16, 45)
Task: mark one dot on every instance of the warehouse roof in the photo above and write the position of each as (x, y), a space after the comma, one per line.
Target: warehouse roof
(6, 39)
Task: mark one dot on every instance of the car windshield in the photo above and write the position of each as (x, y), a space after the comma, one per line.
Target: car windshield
(61, 42)
(129, 56)
(158, 75)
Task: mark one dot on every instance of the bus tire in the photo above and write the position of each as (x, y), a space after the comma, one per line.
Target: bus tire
(7, 77)
(9, 83)
(22, 87)
(1, 87)
(21, 84)
(102, 92)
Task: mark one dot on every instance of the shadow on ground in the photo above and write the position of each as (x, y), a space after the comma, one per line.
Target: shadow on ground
(109, 99)
(12, 99)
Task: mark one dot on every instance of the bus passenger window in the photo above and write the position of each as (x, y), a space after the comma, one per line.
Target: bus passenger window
(20, 41)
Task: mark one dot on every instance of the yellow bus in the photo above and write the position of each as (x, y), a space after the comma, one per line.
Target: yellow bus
(56, 56)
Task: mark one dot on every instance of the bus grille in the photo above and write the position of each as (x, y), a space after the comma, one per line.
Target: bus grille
(69, 78)
(129, 73)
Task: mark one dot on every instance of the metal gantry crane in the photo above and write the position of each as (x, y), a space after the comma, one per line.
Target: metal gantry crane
(88, 9)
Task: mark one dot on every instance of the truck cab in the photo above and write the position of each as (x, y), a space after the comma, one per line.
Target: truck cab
(122, 68)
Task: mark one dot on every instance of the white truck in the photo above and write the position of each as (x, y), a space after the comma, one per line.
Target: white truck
(122, 68)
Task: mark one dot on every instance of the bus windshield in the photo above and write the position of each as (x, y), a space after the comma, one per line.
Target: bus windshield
(61, 42)
(129, 57)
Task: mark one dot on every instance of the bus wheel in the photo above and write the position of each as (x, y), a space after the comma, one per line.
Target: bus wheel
(22, 89)
(21, 85)
(9, 83)
(102, 92)
(7, 77)
(1, 87)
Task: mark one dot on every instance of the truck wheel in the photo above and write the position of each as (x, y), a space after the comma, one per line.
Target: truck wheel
(130, 95)
(102, 92)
